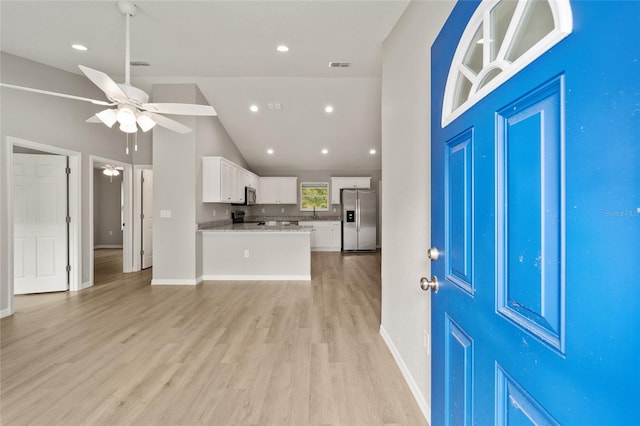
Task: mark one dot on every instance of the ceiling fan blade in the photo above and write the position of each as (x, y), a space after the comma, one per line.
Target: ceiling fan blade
(93, 119)
(61, 95)
(179, 109)
(105, 83)
(169, 123)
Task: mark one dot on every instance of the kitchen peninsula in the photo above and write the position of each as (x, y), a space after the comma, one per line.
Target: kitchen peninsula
(249, 251)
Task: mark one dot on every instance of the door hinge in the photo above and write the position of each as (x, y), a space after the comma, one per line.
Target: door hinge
(141, 252)
(67, 170)
(141, 216)
(68, 219)
(68, 268)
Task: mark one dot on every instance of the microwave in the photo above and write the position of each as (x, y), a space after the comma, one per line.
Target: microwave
(250, 197)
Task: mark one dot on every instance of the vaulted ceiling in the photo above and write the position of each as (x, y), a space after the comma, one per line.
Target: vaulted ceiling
(228, 48)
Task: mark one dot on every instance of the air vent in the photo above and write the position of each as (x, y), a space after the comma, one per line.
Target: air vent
(274, 106)
(339, 64)
(140, 64)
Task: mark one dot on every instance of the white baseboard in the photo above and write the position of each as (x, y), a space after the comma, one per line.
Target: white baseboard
(326, 249)
(256, 277)
(417, 395)
(107, 246)
(186, 281)
(86, 285)
(5, 313)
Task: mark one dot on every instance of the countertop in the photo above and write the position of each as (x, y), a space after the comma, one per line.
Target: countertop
(254, 227)
(251, 224)
(292, 218)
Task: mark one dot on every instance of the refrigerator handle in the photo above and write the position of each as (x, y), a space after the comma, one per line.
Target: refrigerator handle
(358, 215)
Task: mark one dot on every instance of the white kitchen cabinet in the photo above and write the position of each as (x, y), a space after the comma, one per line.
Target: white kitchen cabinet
(277, 190)
(246, 178)
(223, 181)
(229, 183)
(325, 235)
(250, 180)
(338, 183)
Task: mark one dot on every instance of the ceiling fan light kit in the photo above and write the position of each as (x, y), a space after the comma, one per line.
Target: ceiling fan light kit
(110, 171)
(132, 104)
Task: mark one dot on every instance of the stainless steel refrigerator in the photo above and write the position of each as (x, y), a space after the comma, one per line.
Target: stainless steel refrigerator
(359, 220)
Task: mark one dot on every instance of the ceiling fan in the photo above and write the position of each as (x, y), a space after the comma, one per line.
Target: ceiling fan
(132, 107)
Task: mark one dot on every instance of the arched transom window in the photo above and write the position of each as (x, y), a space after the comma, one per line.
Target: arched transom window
(501, 38)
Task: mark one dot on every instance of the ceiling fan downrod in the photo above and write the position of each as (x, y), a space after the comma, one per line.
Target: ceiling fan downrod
(129, 9)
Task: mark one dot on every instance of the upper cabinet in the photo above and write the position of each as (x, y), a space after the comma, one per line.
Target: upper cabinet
(338, 183)
(223, 181)
(277, 190)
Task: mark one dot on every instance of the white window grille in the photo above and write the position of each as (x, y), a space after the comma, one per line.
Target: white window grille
(501, 38)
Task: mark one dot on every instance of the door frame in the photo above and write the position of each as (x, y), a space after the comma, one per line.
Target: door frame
(126, 216)
(137, 211)
(74, 196)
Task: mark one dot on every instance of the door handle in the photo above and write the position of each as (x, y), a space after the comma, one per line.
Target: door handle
(429, 284)
(433, 254)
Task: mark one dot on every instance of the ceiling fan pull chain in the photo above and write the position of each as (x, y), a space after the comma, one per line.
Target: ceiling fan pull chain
(127, 150)
(135, 146)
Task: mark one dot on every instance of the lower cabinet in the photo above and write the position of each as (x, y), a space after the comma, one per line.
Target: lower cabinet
(326, 235)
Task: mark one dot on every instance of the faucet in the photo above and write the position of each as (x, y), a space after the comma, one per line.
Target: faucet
(314, 212)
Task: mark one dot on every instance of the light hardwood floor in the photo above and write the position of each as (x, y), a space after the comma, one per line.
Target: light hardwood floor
(221, 353)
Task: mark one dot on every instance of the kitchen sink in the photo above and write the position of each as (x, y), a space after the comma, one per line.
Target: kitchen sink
(277, 223)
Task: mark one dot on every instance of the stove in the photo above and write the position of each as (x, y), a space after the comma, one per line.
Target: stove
(237, 216)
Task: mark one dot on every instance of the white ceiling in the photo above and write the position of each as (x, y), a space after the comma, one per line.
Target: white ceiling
(228, 48)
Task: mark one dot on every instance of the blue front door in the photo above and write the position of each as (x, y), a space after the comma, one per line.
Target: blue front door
(536, 214)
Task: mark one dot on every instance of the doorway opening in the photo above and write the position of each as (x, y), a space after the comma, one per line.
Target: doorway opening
(108, 222)
(110, 219)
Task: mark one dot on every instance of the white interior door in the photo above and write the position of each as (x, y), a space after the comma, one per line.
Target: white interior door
(40, 228)
(147, 218)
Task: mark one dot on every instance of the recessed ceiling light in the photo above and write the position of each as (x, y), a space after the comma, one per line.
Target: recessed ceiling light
(328, 109)
(282, 48)
(372, 151)
(254, 108)
(80, 47)
(270, 151)
(325, 151)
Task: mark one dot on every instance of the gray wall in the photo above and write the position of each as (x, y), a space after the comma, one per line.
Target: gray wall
(213, 140)
(406, 188)
(177, 186)
(58, 122)
(106, 209)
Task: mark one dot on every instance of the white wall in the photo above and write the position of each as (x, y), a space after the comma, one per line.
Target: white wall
(406, 189)
(60, 123)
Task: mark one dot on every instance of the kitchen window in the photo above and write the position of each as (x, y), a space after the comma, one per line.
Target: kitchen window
(314, 196)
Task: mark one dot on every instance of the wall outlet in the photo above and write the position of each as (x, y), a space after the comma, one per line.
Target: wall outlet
(246, 253)
(226, 212)
(262, 210)
(282, 210)
(334, 209)
(110, 233)
(214, 212)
